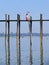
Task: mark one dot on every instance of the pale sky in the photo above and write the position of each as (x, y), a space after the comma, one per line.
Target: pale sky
(35, 7)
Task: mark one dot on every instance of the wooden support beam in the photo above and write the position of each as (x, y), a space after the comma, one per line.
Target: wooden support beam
(41, 45)
(7, 40)
(18, 41)
(30, 25)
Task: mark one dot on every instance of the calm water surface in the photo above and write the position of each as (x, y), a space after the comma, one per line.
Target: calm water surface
(25, 52)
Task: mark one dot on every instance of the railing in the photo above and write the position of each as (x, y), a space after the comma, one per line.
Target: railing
(7, 43)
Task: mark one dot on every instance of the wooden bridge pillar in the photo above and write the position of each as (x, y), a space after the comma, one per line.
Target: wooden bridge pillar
(18, 41)
(7, 39)
(30, 25)
(41, 45)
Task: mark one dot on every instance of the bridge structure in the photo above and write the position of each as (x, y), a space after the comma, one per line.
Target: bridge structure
(18, 47)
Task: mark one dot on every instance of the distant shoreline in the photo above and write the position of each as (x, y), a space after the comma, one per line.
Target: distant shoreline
(26, 34)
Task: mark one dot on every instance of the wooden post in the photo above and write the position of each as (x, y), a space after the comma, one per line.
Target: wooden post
(7, 44)
(6, 38)
(18, 41)
(30, 40)
(41, 46)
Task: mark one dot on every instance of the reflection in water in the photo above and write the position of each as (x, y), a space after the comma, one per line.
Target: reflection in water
(31, 63)
(41, 64)
(25, 53)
